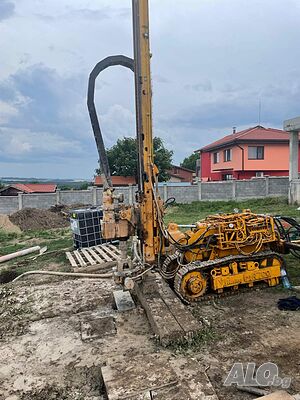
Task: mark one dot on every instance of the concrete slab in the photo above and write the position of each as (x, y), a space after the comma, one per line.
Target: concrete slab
(136, 377)
(123, 300)
(163, 323)
(157, 377)
(96, 327)
(189, 324)
(142, 396)
(170, 319)
(193, 379)
(175, 393)
(278, 395)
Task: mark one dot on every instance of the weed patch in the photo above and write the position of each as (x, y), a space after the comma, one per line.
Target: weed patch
(198, 341)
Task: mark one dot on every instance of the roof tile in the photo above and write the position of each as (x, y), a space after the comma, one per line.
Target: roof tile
(117, 180)
(258, 133)
(35, 187)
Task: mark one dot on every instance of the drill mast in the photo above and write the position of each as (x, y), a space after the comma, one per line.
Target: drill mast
(147, 171)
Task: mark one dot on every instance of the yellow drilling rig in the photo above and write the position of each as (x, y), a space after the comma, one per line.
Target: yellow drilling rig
(216, 255)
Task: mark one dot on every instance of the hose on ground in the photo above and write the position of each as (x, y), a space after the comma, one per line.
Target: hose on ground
(71, 274)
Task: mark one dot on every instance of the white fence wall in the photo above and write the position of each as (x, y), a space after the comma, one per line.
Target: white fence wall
(221, 190)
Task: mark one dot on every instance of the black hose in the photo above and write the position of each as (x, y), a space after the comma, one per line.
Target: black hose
(101, 66)
(285, 233)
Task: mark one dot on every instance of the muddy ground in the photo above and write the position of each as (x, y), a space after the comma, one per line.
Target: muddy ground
(45, 354)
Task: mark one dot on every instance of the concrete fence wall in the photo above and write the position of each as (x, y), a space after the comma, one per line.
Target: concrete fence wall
(222, 190)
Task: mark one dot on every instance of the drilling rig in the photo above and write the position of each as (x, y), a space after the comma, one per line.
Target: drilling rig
(219, 254)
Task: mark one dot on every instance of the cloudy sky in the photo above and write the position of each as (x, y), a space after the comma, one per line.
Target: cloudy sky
(212, 62)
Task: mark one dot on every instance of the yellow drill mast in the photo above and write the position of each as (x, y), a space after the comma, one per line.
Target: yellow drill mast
(147, 171)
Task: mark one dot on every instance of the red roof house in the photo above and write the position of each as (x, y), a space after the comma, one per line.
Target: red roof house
(28, 188)
(116, 180)
(253, 152)
(181, 174)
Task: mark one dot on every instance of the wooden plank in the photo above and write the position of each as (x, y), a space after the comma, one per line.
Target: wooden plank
(99, 250)
(90, 259)
(104, 267)
(79, 258)
(71, 259)
(111, 252)
(115, 248)
(95, 255)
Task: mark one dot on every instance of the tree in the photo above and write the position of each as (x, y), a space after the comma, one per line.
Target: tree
(190, 162)
(85, 185)
(123, 158)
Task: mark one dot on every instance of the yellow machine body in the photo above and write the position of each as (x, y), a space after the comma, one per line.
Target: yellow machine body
(237, 233)
(226, 251)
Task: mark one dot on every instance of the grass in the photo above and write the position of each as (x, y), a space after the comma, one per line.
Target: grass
(7, 236)
(201, 339)
(53, 238)
(56, 241)
(190, 213)
(293, 269)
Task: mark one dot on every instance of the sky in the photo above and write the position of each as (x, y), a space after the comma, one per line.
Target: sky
(213, 62)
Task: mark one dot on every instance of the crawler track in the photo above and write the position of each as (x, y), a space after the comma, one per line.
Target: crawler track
(207, 266)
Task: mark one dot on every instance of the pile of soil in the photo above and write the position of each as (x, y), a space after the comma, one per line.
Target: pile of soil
(35, 219)
(7, 226)
(67, 208)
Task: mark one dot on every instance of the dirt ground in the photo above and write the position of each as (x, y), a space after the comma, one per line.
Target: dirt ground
(7, 226)
(45, 354)
(33, 218)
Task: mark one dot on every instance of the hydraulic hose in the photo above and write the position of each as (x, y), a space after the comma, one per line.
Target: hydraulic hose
(118, 60)
(71, 274)
(285, 233)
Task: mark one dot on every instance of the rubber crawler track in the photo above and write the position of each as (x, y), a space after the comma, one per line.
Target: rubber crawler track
(208, 265)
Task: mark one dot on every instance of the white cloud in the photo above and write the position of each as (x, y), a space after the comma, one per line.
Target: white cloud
(6, 112)
(19, 142)
(212, 61)
(17, 146)
(117, 122)
(7, 9)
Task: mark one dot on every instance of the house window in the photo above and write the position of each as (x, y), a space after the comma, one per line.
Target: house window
(259, 174)
(216, 158)
(227, 177)
(255, 152)
(227, 155)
